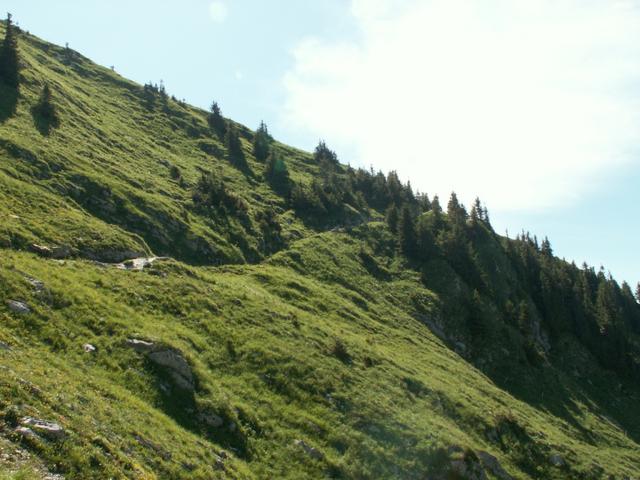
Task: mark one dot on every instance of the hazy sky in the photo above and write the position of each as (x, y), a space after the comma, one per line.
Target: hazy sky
(534, 105)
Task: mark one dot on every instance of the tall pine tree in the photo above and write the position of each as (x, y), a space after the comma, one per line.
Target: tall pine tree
(407, 232)
(216, 121)
(9, 60)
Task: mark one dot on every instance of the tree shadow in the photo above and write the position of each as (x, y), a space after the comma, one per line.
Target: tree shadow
(8, 102)
(44, 122)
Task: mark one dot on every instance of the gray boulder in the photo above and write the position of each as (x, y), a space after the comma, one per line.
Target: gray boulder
(50, 430)
(557, 461)
(168, 358)
(40, 250)
(177, 366)
(18, 307)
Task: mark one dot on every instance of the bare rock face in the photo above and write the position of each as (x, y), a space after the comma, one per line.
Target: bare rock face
(18, 307)
(168, 358)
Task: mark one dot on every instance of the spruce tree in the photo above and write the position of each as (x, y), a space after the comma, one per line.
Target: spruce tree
(392, 218)
(234, 148)
(638, 292)
(545, 248)
(9, 60)
(476, 212)
(324, 155)
(277, 174)
(216, 121)
(456, 211)
(262, 142)
(407, 232)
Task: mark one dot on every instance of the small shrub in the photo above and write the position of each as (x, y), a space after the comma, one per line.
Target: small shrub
(175, 173)
(12, 416)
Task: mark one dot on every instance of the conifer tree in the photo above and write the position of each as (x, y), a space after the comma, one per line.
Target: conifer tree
(476, 212)
(435, 206)
(545, 248)
(216, 121)
(324, 155)
(456, 211)
(407, 232)
(234, 148)
(392, 218)
(9, 60)
(638, 292)
(262, 142)
(277, 174)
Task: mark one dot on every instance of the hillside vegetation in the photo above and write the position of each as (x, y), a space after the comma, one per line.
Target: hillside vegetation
(184, 298)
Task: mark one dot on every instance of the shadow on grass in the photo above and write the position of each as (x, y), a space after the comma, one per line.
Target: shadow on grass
(43, 122)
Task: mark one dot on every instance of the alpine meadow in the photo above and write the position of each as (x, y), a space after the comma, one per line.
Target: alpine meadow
(182, 297)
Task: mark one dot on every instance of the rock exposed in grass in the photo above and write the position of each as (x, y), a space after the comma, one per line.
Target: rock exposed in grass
(18, 307)
(557, 461)
(40, 250)
(309, 450)
(169, 358)
(50, 430)
(26, 433)
(492, 465)
(211, 420)
(88, 348)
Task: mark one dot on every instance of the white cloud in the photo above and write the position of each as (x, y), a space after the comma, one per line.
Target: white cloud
(523, 102)
(218, 11)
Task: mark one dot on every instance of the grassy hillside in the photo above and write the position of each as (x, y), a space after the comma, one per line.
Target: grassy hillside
(275, 341)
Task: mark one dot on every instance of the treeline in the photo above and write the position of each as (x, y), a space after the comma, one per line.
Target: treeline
(591, 305)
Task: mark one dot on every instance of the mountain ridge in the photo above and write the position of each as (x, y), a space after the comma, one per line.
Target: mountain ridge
(329, 322)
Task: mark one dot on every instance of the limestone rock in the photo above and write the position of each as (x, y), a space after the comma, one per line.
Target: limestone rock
(177, 365)
(169, 358)
(140, 346)
(26, 433)
(88, 348)
(41, 250)
(44, 428)
(18, 307)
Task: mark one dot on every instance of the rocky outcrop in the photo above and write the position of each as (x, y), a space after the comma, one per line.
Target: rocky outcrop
(43, 428)
(169, 359)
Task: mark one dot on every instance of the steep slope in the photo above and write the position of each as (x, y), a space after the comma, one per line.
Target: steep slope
(287, 336)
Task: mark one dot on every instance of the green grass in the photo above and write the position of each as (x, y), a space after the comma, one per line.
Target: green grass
(259, 332)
